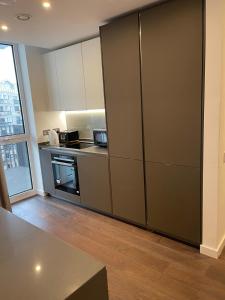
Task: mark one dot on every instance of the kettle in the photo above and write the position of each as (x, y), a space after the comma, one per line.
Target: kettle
(53, 138)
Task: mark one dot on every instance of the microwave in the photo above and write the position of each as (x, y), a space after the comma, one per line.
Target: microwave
(100, 137)
(68, 136)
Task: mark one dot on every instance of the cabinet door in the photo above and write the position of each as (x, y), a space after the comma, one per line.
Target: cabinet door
(92, 62)
(174, 201)
(94, 182)
(121, 71)
(127, 183)
(172, 63)
(71, 78)
(47, 173)
(52, 81)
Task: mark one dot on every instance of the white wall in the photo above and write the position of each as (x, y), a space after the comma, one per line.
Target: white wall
(49, 120)
(36, 168)
(86, 121)
(221, 216)
(214, 132)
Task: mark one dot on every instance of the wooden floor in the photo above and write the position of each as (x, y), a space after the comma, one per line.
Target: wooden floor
(141, 265)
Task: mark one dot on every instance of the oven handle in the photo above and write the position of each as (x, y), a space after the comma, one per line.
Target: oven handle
(54, 162)
(64, 159)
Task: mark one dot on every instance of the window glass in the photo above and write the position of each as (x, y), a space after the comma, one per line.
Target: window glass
(17, 168)
(11, 118)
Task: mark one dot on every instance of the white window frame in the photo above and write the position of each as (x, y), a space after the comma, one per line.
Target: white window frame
(25, 137)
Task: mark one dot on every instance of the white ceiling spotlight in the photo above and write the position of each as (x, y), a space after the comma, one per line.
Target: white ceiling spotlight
(46, 4)
(4, 28)
(23, 17)
(7, 2)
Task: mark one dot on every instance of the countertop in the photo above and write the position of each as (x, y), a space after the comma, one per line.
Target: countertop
(35, 265)
(90, 150)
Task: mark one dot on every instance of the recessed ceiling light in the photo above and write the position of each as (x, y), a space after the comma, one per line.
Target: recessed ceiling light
(23, 17)
(46, 4)
(4, 28)
(38, 268)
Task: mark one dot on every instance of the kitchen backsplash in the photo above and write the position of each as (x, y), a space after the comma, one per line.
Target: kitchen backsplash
(86, 121)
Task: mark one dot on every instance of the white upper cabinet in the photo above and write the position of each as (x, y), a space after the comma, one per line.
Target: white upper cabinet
(52, 82)
(74, 77)
(69, 67)
(92, 63)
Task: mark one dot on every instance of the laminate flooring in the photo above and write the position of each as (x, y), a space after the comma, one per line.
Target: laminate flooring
(141, 265)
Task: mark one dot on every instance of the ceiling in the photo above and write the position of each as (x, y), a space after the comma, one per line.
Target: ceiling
(66, 22)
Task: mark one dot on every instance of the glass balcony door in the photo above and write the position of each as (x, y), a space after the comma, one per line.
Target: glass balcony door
(14, 133)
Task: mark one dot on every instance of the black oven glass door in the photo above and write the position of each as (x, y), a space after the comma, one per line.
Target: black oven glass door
(65, 174)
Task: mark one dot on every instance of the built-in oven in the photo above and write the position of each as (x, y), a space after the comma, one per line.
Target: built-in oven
(65, 173)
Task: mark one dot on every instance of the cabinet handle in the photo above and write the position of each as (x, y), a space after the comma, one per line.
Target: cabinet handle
(168, 165)
(62, 164)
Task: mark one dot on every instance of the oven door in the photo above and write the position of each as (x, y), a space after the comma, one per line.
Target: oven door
(65, 174)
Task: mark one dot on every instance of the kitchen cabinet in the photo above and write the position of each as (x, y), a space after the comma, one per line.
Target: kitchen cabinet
(47, 173)
(121, 72)
(92, 63)
(54, 100)
(173, 194)
(121, 69)
(69, 67)
(94, 182)
(153, 95)
(74, 77)
(172, 82)
(127, 183)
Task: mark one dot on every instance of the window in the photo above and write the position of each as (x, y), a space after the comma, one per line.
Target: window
(14, 137)
(9, 88)
(17, 168)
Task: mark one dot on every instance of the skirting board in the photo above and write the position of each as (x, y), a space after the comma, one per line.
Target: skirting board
(23, 196)
(213, 252)
(41, 193)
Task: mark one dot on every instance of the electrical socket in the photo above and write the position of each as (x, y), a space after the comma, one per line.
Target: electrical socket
(46, 132)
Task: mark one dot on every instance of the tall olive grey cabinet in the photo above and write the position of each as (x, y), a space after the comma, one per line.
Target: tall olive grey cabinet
(153, 75)
(121, 69)
(172, 68)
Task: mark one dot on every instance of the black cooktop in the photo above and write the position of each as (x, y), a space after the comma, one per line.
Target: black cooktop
(76, 145)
